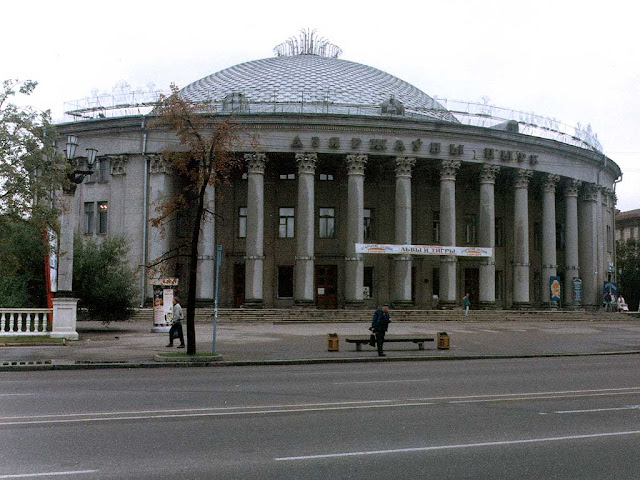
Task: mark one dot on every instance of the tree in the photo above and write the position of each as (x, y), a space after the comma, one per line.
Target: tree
(628, 260)
(102, 278)
(206, 159)
(30, 167)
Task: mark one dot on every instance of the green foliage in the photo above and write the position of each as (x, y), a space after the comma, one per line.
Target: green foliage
(22, 275)
(628, 260)
(30, 168)
(102, 278)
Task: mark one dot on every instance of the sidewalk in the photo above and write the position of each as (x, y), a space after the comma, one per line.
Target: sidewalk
(131, 344)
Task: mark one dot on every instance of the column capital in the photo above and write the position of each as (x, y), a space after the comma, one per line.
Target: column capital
(550, 182)
(256, 162)
(356, 164)
(117, 164)
(489, 173)
(522, 178)
(571, 188)
(589, 192)
(404, 165)
(449, 169)
(306, 162)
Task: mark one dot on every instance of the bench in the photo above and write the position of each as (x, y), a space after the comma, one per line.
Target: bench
(364, 340)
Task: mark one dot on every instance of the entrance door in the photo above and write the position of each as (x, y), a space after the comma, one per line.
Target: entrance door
(238, 285)
(327, 286)
(472, 284)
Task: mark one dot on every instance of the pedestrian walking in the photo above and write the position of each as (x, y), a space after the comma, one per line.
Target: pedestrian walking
(467, 304)
(176, 328)
(607, 302)
(379, 326)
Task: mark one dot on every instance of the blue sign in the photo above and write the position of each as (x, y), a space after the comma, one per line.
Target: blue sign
(554, 289)
(610, 287)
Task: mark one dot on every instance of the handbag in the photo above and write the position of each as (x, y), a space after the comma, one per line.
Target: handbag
(372, 340)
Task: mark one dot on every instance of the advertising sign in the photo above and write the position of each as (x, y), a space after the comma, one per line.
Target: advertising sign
(554, 289)
(577, 289)
(610, 287)
(391, 249)
(163, 303)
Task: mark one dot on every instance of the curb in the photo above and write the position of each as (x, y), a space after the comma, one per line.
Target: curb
(110, 364)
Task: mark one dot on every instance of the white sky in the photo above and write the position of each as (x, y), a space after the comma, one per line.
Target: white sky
(577, 61)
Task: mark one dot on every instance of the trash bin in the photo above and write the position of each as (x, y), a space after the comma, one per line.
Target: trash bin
(443, 341)
(332, 342)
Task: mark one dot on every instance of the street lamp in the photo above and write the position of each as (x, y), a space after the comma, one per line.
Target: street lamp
(76, 176)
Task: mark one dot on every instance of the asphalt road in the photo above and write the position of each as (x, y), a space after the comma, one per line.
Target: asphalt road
(564, 418)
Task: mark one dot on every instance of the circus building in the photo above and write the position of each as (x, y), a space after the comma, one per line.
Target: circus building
(347, 154)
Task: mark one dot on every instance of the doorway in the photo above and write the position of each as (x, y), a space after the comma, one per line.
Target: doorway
(472, 284)
(238, 285)
(326, 286)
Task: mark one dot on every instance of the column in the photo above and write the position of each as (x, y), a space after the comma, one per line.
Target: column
(354, 281)
(588, 247)
(207, 250)
(160, 189)
(448, 264)
(571, 258)
(549, 258)
(65, 247)
(521, 239)
(254, 258)
(487, 235)
(305, 220)
(402, 263)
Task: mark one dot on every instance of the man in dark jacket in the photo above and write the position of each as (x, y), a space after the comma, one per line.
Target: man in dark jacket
(379, 326)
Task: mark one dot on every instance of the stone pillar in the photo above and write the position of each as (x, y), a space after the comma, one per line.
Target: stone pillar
(354, 280)
(65, 311)
(571, 258)
(588, 248)
(402, 263)
(521, 239)
(549, 258)
(207, 250)
(448, 264)
(487, 235)
(305, 233)
(254, 258)
(160, 188)
(65, 247)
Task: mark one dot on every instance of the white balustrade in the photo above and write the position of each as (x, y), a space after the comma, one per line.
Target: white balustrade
(25, 321)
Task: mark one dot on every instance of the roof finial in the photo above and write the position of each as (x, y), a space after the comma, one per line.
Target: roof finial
(307, 43)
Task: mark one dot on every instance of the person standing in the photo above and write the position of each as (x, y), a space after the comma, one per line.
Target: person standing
(176, 327)
(467, 304)
(379, 326)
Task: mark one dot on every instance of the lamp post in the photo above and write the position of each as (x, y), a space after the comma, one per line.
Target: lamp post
(64, 304)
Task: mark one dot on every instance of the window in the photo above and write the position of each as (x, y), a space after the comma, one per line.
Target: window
(103, 210)
(94, 173)
(537, 236)
(242, 222)
(88, 218)
(471, 229)
(368, 283)
(609, 238)
(367, 231)
(435, 281)
(435, 228)
(285, 281)
(287, 176)
(287, 222)
(327, 222)
(103, 170)
(500, 233)
(326, 177)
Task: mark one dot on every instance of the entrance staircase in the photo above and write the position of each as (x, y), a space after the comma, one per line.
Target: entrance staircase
(272, 315)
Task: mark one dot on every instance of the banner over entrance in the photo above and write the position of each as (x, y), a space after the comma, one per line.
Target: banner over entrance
(391, 249)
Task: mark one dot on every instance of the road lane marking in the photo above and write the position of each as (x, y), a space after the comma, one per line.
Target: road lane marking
(43, 421)
(15, 395)
(457, 446)
(48, 474)
(593, 410)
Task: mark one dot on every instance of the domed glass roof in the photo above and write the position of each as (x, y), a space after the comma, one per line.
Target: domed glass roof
(308, 83)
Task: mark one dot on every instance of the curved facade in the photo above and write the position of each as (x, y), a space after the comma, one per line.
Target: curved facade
(338, 153)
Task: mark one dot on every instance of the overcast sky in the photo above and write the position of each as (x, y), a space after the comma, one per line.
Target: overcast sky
(577, 61)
